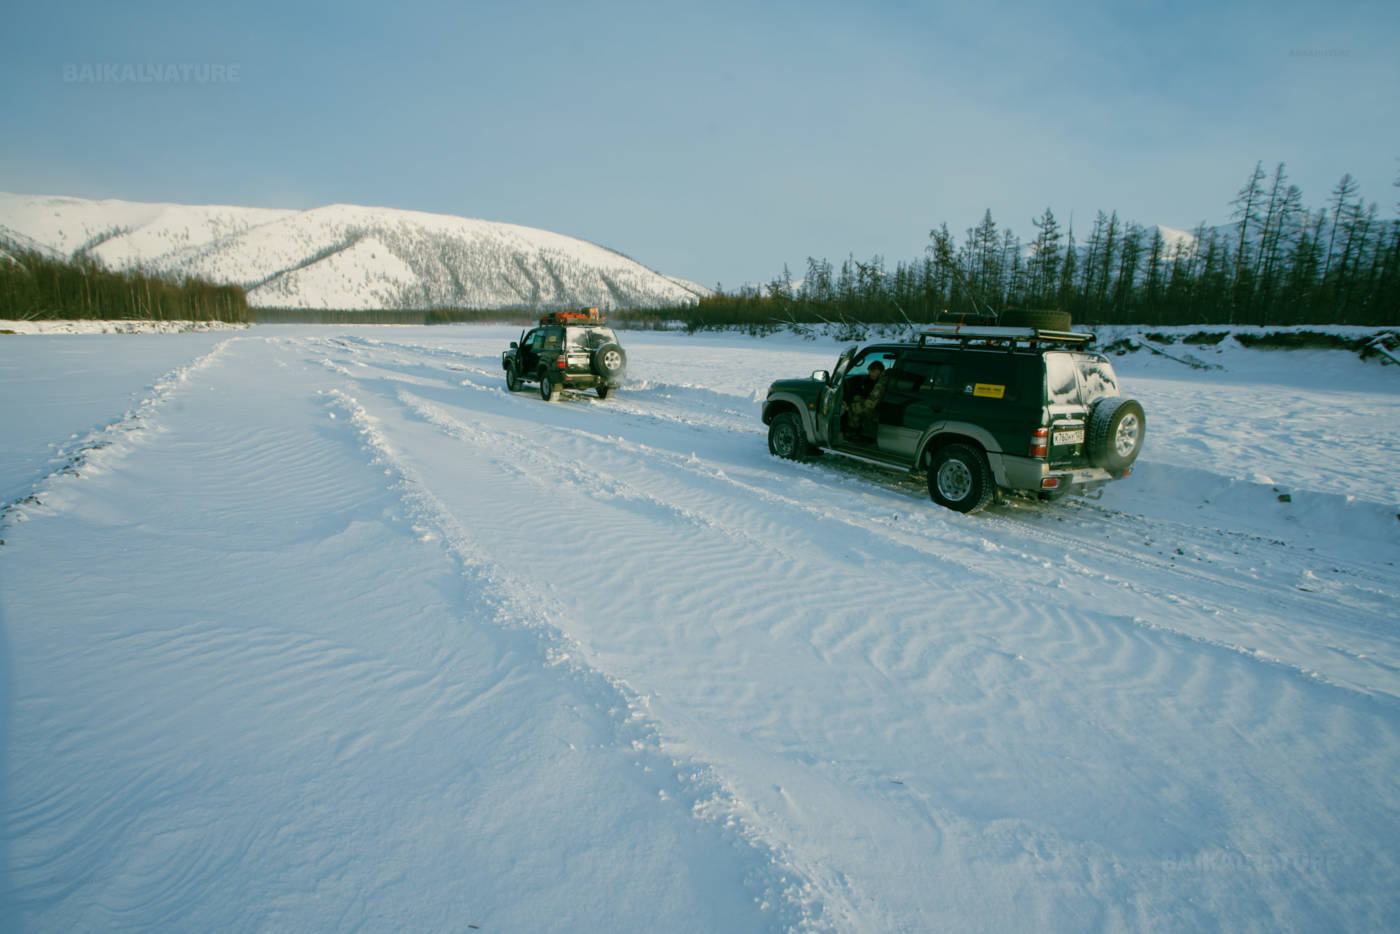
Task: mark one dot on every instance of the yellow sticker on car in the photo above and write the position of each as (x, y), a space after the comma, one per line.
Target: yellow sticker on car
(988, 390)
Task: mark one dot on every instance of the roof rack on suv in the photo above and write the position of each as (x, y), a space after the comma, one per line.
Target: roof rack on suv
(1011, 336)
(582, 316)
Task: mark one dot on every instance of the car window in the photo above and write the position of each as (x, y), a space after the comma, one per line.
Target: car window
(922, 375)
(589, 338)
(862, 365)
(842, 365)
(1061, 381)
(550, 338)
(1097, 377)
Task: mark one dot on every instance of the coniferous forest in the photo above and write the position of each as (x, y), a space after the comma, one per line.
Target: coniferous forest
(1279, 262)
(35, 286)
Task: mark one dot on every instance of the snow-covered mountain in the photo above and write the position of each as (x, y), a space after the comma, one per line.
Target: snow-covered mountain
(1172, 237)
(344, 256)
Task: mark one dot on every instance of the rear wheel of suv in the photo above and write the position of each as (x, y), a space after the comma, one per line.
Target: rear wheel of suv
(603, 391)
(960, 479)
(548, 391)
(786, 437)
(1117, 428)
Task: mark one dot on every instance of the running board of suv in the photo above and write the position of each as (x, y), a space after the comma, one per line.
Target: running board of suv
(870, 458)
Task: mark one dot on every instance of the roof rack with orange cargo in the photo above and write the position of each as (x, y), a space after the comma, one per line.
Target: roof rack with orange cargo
(582, 316)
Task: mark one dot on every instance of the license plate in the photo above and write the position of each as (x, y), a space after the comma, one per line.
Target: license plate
(1069, 437)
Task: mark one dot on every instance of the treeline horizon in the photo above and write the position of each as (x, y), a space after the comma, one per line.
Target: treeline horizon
(1278, 263)
(35, 286)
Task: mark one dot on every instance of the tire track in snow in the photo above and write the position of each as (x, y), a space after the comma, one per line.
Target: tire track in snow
(517, 605)
(649, 401)
(820, 893)
(146, 829)
(96, 449)
(1090, 557)
(1258, 612)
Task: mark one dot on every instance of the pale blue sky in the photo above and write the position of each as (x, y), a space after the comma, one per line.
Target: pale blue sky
(714, 142)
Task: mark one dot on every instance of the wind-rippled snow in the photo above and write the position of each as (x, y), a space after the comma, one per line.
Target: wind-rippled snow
(322, 628)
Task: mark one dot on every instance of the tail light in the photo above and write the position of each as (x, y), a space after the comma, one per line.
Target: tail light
(562, 363)
(1040, 442)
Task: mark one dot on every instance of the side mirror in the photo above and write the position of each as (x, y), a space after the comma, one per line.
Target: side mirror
(514, 345)
(821, 375)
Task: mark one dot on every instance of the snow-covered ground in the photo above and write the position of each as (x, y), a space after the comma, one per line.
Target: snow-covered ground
(322, 629)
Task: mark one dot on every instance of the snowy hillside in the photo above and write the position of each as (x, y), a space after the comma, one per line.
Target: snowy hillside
(344, 256)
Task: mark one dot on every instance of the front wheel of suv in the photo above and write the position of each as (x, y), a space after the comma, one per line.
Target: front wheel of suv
(786, 438)
(512, 379)
(549, 392)
(960, 478)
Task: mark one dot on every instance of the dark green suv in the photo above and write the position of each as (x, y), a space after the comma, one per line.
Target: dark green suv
(569, 350)
(979, 409)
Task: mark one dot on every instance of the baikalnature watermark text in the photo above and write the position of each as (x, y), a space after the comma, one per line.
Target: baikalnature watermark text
(152, 73)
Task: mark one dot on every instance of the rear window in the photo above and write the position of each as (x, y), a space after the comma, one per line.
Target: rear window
(1061, 381)
(1078, 378)
(1097, 376)
(590, 338)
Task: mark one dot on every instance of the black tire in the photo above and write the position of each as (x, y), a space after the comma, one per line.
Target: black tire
(603, 391)
(548, 391)
(609, 361)
(1047, 320)
(960, 479)
(786, 438)
(512, 379)
(1116, 431)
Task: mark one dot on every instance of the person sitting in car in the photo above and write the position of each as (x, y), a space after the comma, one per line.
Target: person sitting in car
(861, 410)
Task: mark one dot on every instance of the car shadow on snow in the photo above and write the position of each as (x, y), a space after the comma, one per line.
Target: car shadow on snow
(853, 474)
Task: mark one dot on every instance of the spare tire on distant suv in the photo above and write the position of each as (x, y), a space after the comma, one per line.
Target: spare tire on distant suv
(1117, 427)
(609, 361)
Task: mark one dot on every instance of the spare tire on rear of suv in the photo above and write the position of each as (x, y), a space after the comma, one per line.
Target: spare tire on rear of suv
(1116, 430)
(1045, 320)
(609, 361)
